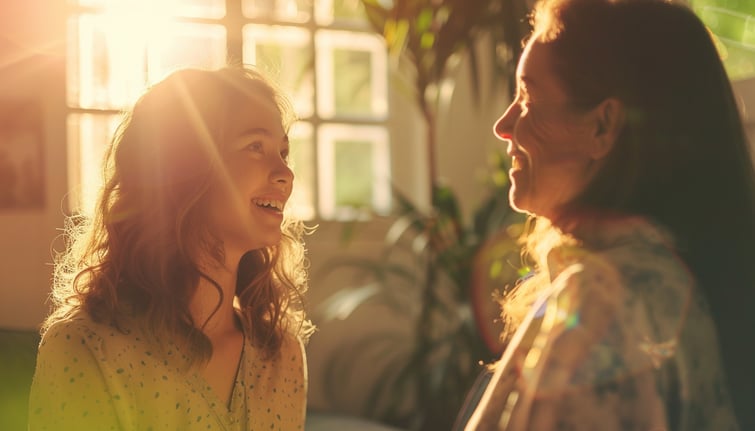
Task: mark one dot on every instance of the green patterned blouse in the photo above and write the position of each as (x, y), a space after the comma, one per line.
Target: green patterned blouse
(90, 376)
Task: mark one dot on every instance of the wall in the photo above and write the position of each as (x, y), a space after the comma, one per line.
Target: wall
(31, 68)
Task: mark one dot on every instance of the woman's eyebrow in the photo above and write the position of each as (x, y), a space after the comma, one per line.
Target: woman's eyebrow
(526, 82)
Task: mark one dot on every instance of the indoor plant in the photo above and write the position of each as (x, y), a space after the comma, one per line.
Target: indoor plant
(430, 254)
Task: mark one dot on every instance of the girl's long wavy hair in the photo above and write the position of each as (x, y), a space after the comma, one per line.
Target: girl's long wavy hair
(682, 159)
(137, 256)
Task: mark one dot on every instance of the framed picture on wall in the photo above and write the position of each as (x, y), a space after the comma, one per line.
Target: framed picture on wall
(21, 161)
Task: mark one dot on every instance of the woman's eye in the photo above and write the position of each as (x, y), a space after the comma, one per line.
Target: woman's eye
(524, 104)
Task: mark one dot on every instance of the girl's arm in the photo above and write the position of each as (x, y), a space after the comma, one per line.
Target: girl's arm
(68, 391)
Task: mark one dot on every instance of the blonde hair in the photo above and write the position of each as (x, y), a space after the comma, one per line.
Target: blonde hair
(539, 237)
(136, 257)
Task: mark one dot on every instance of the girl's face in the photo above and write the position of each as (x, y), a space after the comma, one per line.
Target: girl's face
(246, 201)
(547, 139)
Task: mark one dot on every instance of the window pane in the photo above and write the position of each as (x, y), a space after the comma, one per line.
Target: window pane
(734, 28)
(740, 61)
(186, 45)
(200, 8)
(351, 71)
(187, 8)
(105, 63)
(302, 160)
(353, 164)
(285, 54)
(88, 137)
(340, 11)
(283, 10)
(352, 157)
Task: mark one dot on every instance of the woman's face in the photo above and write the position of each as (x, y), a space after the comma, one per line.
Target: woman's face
(547, 139)
(247, 199)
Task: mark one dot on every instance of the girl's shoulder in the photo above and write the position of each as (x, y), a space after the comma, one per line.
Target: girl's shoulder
(76, 328)
(292, 347)
(80, 332)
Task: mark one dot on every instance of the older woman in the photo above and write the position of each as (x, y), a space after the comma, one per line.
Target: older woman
(628, 150)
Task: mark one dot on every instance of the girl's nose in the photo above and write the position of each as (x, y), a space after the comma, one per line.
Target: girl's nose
(283, 174)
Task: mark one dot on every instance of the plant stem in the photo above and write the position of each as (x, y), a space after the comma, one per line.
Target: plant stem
(428, 113)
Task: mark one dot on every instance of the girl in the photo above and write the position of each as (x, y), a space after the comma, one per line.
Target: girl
(178, 306)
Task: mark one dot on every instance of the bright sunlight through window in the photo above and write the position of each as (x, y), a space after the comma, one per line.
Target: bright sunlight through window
(322, 53)
(731, 21)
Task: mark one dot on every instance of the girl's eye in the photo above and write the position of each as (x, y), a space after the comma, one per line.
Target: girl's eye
(284, 156)
(255, 147)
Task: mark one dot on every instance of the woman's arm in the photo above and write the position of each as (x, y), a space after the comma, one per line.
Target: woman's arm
(585, 369)
(589, 362)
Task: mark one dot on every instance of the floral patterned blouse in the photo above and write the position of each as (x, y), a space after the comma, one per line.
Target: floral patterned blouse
(90, 376)
(620, 340)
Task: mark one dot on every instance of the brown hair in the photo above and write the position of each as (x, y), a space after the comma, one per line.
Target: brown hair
(137, 256)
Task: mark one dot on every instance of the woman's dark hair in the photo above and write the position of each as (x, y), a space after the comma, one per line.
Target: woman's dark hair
(682, 158)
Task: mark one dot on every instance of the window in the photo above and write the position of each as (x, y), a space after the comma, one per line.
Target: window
(322, 53)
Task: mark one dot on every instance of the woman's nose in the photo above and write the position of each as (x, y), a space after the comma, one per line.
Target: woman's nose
(504, 127)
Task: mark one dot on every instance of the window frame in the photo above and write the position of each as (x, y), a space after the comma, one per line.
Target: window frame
(234, 22)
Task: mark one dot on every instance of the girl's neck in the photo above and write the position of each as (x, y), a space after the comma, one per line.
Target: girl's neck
(214, 313)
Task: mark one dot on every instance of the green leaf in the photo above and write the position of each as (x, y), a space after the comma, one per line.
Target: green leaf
(402, 225)
(377, 15)
(424, 20)
(445, 203)
(341, 304)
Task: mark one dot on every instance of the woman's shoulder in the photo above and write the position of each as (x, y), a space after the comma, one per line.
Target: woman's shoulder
(638, 253)
(634, 271)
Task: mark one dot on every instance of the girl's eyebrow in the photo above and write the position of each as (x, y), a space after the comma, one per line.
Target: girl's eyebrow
(256, 131)
(262, 131)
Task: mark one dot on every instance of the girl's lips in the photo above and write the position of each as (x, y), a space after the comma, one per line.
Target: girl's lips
(270, 203)
(273, 213)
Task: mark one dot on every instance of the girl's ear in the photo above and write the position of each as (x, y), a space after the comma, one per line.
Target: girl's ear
(609, 118)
